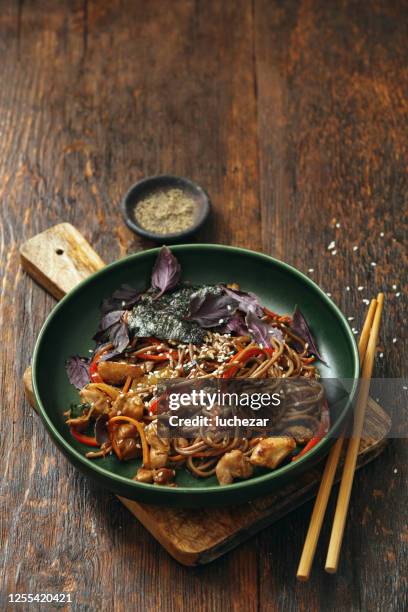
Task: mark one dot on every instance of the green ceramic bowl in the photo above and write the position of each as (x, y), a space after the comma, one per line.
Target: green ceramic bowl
(71, 325)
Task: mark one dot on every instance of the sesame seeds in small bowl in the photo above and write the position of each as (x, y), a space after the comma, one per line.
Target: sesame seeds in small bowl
(165, 208)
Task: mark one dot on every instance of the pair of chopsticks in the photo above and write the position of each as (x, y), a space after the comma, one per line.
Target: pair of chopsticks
(366, 348)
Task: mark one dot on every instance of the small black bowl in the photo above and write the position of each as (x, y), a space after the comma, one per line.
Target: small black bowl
(149, 185)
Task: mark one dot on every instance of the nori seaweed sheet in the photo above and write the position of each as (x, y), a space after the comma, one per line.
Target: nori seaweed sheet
(163, 318)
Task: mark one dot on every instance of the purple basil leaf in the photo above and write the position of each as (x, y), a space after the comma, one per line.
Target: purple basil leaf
(127, 294)
(112, 328)
(300, 328)
(101, 429)
(123, 298)
(211, 310)
(261, 332)
(78, 371)
(237, 324)
(248, 302)
(118, 334)
(109, 319)
(166, 272)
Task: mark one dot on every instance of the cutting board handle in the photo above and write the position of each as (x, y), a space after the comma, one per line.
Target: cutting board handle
(59, 258)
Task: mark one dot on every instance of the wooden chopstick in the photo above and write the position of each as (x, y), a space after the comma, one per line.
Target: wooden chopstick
(346, 484)
(365, 334)
(316, 520)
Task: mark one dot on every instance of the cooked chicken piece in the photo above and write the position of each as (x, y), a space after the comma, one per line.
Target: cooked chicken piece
(270, 452)
(110, 391)
(163, 476)
(144, 475)
(159, 448)
(158, 458)
(116, 372)
(125, 442)
(96, 398)
(129, 404)
(153, 438)
(233, 465)
(300, 433)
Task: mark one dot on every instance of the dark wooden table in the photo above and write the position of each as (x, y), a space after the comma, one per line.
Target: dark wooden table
(293, 116)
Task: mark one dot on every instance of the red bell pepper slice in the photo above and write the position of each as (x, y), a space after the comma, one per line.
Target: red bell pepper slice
(154, 405)
(93, 367)
(321, 432)
(88, 440)
(245, 355)
(93, 370)
(275, 315)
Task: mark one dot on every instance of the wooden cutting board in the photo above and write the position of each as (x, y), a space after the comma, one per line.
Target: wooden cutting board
(58, 259)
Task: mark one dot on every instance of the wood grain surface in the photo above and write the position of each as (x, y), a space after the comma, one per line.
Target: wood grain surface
(293, 116)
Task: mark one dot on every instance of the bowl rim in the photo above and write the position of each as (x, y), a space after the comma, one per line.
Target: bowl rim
(204, 204)
(183, 490)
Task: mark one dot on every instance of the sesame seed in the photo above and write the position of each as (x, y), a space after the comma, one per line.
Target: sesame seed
(381, 355)
(394, 340)
(365, 301)
(350, 318)
(398, 294)
(373, 263)
(334, 252)
(394, 286)
(382, 234)
(355, 331)
(328, 294)
(338, 225)
(395, 471)
(347, 288)
(404, 387)
(221, 321)
(331, 245)
(311, 270)
(360, 288)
